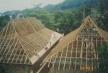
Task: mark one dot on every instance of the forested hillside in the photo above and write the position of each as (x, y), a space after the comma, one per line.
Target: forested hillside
(68, 15)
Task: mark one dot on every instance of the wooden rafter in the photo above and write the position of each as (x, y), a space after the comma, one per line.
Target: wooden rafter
(22, 39)
(77, 50)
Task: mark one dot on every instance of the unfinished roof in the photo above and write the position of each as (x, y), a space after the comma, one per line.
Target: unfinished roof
(22, 40)
(77, 50)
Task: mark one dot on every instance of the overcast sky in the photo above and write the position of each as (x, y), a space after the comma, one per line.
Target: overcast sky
(7, 5)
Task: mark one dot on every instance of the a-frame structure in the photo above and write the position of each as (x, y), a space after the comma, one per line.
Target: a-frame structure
(76, 52)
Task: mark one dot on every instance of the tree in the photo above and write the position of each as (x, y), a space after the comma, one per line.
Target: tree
(3, 21)
(103, 54)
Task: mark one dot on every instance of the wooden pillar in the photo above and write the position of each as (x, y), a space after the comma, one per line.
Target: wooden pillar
(31, 70)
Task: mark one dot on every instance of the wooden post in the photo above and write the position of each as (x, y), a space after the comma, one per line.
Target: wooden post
(31, 70)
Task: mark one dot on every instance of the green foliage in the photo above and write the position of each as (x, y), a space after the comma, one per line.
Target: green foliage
(68, 15)
(65, 20)
(2, 70)
(103, 53)
(3, 21)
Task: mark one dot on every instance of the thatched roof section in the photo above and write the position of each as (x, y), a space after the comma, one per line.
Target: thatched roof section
(22, 40)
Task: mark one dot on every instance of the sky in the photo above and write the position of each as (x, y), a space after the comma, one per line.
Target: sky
(8, 5)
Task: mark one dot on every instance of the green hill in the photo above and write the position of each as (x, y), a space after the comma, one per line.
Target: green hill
(67, 16)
